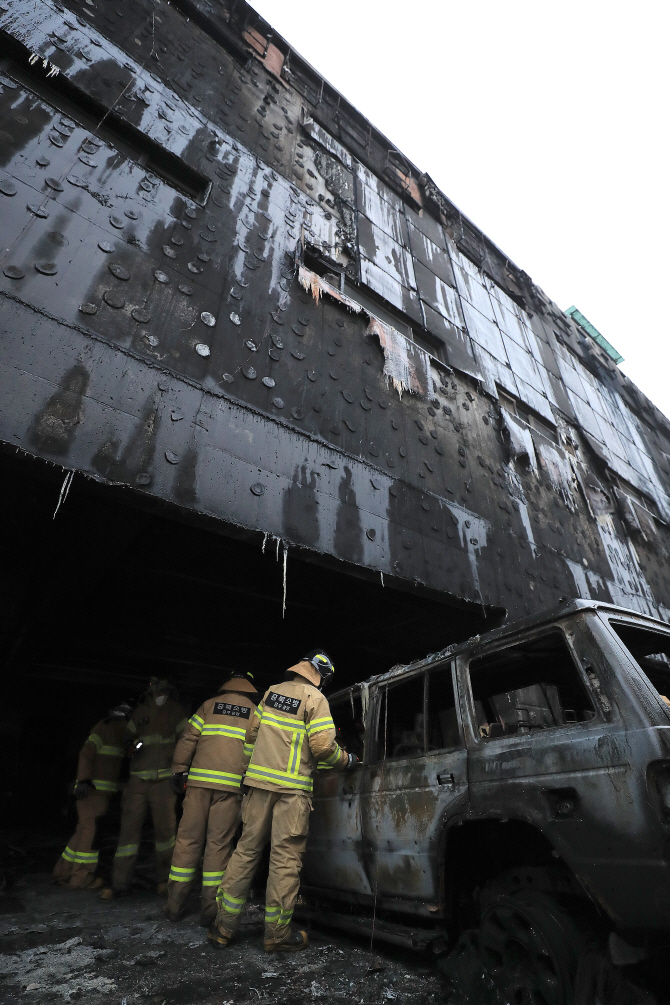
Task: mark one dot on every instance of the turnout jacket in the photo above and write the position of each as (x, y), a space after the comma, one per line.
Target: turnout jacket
(101, 756)
(214, 742)
(291, 730)
(158, 729)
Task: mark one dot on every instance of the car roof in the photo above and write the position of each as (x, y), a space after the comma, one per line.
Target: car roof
(513, 628)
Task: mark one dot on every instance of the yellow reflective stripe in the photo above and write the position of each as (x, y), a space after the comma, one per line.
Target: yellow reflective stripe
(179, 875)
(152, 774)
(282, 778)
(272, 913)
(322, 766)
(165, 845)
(259, 710)
(282, 722)
(108, 750)
(157, 739)
(249, 749)
(285, 916)
(334, 757)
(317, 725)
(232, 905)
(295, 752)
(212, 878)
(209, 775)
(86, 857)
(95, 740)
(196, 722)
(69, 855)
(211, 729)
(126, 850)
(102, 785)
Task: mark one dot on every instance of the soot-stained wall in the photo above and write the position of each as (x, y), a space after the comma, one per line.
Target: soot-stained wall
(223, 288)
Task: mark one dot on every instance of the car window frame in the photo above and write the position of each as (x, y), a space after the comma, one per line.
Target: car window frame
(380, 690)
(469, 714)
(449, 663)
(639, 677)
(344, 696)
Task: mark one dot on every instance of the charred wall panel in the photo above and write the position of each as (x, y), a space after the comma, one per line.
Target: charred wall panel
(159, 199)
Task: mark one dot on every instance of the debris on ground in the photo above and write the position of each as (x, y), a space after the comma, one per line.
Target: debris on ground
(61, 945)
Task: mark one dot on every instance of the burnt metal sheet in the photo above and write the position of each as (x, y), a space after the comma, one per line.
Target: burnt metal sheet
(118, 276)
(386, 253)
(431, 255)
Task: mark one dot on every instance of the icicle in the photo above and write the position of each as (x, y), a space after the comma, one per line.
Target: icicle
(283, 607)
(33, 58)
(365, 701)
(265, 537)
(353, 710)
(65, 488)
(381, 576)
(278, 543)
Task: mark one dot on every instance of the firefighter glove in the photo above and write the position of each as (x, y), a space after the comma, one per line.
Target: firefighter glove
(178, 783)
(82, 789)
(353, 761)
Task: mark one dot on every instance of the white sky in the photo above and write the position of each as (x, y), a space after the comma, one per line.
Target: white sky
(545, 123)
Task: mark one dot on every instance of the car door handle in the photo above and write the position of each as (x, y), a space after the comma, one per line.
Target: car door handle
(446, 779)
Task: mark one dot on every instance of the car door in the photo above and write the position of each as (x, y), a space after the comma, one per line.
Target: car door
(548, 747)
(415, 784)
(334, 855)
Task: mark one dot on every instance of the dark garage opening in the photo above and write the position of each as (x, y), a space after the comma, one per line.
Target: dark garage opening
(112, 591)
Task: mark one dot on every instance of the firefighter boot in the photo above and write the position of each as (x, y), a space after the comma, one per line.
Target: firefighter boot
(292, 941)
(219, 936)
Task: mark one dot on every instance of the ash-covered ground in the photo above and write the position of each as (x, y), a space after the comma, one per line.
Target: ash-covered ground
(59, 945)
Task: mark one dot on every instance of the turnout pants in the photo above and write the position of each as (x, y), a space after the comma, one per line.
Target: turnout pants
(138, 796)
(283, 817)
(210, 818)
(77, 864)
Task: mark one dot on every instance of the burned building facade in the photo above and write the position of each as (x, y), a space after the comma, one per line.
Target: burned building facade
(239, 326)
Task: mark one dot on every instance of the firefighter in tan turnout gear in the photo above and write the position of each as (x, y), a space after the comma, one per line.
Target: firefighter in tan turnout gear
(98, 770)
(291, 730)
(210, 760)
(151, 735)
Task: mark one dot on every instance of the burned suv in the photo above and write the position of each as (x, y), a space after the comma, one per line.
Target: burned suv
(516, 786)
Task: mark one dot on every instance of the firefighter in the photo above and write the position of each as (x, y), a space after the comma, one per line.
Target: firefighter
(98, 770)
(290, 731)
(151, 735)
(213, 745)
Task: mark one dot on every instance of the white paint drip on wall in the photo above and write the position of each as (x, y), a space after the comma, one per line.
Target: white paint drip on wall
(472, 529)
(629, 588)
(579, 575)
(558, 470)
(520, 498)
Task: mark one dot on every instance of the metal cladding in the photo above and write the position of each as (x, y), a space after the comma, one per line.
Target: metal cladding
(223, 288)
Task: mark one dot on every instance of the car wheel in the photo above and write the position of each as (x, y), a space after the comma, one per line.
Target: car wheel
(530, 946)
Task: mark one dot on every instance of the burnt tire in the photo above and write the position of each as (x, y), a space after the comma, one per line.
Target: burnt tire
(530, 946)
